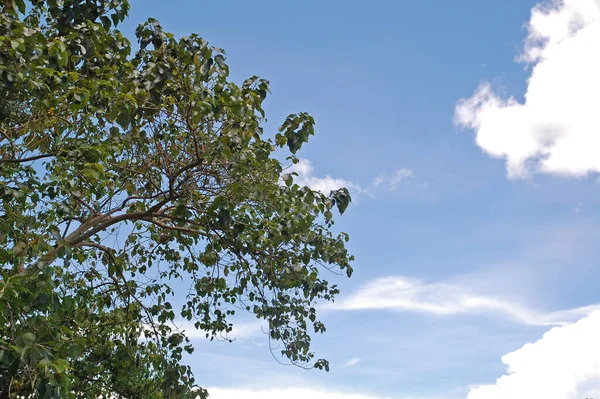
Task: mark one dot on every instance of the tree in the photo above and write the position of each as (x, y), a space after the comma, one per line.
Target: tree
(124, 171)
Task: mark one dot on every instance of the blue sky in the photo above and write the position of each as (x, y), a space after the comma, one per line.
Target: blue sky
(473, 223)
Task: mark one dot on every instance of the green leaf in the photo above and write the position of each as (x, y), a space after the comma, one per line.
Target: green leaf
(28, 338)
(24, 351)
(17, 45)
(74, 351)
(342, 199)
(60, 365)
(55, 231)
(21, 6)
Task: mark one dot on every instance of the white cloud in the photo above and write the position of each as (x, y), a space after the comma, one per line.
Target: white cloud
(325, 184)
(393, 181)
(390, 182)
(241, 330)
(557, 128)
(402, 294)
(563, 364)
(288, 393)
(352, 362)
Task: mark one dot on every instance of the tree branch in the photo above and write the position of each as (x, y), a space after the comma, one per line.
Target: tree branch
(28, 159)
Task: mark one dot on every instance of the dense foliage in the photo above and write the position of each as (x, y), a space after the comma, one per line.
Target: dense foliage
(124, 173)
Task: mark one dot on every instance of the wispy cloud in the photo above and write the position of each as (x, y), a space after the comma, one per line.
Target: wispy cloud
(393, 180)
(352, 362)
(563, 364)
(555, 129)
(404, 178)
(402, 294)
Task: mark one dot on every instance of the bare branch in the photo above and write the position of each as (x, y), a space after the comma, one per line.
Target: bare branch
(28, 159)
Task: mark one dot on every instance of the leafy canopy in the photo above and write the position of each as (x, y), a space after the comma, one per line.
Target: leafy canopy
(126, 175)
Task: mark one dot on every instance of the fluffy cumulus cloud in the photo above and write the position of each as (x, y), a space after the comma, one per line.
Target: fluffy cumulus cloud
(402, 294)
(306, 177)
(556, 129)
(564, 364)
